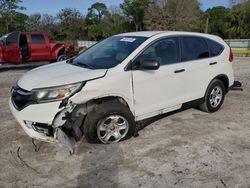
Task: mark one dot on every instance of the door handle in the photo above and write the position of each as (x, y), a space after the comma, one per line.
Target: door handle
(213, 63)
(179, 70)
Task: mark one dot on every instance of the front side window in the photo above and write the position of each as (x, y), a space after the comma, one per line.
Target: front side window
(108, 53)
(37, 39)
(10, 38)
(194, 48)
(165, 51)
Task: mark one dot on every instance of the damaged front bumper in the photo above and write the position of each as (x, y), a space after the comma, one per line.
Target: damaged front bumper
(47, 122)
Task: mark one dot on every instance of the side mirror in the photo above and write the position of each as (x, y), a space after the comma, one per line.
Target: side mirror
(149, 64)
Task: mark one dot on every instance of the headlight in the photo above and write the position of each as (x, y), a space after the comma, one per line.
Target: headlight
(56, 93)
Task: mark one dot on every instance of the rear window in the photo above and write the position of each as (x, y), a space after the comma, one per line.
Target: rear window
(214, 47)
(37, 39)
(194, 48)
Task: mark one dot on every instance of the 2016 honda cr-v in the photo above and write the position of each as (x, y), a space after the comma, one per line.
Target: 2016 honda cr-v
(105, 90)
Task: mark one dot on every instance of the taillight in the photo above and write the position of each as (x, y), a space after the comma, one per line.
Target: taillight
(231, 56)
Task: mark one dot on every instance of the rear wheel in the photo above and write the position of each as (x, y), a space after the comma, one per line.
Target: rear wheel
(214, 97)
(109, 122)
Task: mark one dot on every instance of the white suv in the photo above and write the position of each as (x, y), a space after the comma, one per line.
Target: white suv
(104, 91)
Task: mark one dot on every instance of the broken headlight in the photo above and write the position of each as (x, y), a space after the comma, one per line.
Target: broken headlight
(56, 93)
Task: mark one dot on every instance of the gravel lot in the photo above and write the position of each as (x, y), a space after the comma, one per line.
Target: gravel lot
(185, 149)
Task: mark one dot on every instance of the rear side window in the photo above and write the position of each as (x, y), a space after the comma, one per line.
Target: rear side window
(37, 39)
(214, 47)
(194, 48)
(166, 51)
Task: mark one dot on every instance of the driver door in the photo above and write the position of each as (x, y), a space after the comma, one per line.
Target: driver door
(162, 90)
(12, 49)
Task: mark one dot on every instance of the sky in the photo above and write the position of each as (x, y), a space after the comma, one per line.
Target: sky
(54, 6)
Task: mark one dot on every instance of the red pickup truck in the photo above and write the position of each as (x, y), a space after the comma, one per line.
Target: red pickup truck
(18, 47)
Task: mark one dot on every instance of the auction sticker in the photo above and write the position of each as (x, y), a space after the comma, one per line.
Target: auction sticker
(128, 39)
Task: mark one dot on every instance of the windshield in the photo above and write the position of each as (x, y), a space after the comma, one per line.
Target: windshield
(108, 53)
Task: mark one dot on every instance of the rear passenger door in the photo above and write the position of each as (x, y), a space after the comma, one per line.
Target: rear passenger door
(39, 47)
(198, 66)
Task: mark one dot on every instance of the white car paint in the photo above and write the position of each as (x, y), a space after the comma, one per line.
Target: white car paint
(147, 93)
(57, 74)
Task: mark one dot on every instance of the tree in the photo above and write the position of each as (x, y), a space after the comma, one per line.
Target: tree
(185, 14)
(45, 23)
(8, 10)
(172, 15)
(240, 22)
(157, 18)
(97, 10)
(134, 10)
(73, 18)
(219, 20)
(34, 22)
(115, 22)
(96, 21)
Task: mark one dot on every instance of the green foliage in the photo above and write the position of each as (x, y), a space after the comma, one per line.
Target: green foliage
(134, 10)
(71, 25)
(132, 15)
(96, 12)
(10, 19)
(229, 23)
(218, 19)
(182, 15)
(102, 22)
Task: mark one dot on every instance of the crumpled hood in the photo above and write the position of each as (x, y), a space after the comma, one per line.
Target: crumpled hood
(57, 74)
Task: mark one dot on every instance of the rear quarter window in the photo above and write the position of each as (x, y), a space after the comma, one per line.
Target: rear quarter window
(214, 47)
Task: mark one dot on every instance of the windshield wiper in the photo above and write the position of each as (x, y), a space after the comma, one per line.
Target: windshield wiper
(80, 64)
(85, 65)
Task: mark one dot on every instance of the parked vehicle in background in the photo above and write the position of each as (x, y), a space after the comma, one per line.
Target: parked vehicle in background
(106, 89)
(18, 47)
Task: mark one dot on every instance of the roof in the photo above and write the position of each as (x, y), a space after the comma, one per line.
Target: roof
(142, 33)
(152, 33)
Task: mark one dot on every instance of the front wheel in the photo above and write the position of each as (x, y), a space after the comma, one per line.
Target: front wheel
(62, 57)
(109, 122)
(214, 97)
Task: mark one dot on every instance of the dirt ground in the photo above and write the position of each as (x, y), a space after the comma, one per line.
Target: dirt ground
(185, 149)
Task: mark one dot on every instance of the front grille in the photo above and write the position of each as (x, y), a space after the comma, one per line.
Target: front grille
(21, 98)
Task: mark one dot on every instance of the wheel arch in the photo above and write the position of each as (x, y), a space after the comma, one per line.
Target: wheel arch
(60, 51)
(89, 104)
(110, 98)
(223, 78)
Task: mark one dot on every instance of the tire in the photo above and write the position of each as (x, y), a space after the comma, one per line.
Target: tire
(214, 97)
(62, 57)
(100, 121)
